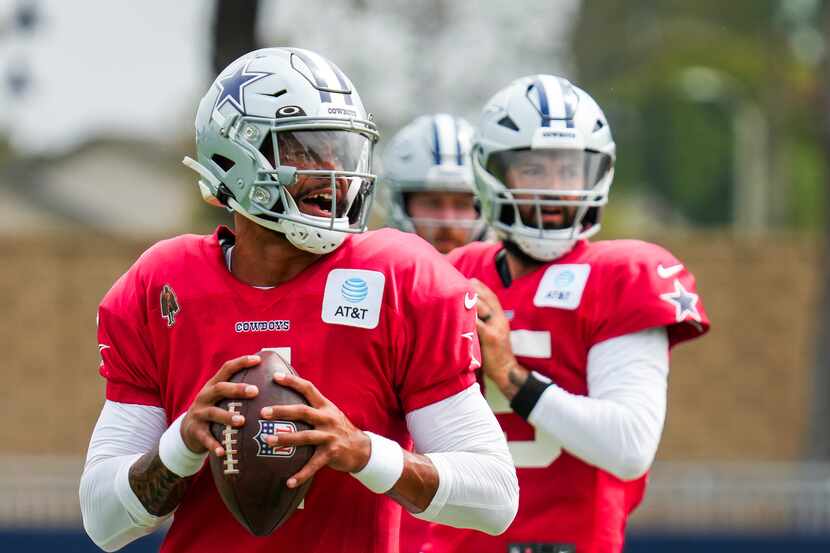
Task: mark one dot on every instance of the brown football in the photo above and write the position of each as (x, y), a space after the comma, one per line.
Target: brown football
(251, 476)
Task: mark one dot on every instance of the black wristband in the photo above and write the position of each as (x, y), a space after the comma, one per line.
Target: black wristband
(528, 395)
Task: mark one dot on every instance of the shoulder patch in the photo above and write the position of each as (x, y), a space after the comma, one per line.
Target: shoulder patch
(353, 297)
(169, 304)
(562, 286)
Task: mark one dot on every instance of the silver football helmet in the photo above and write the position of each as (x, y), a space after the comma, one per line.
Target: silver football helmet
(543, 159)
(430, 154)
(281, 118)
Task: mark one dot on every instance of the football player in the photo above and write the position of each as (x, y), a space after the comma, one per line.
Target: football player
(429, 182)
(283, 140)
(575, 335)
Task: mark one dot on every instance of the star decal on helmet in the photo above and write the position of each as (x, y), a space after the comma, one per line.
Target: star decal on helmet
(685, 302)
(232, 87)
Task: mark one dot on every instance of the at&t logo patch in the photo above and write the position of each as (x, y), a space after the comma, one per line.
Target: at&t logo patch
(353, 297)
(562, 286)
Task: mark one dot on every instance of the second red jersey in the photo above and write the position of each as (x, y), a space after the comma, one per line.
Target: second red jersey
(596, 292)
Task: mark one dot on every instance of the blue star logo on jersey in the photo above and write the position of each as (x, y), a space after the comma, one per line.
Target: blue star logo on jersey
(232, 87)
(684, 302)
(269, 428)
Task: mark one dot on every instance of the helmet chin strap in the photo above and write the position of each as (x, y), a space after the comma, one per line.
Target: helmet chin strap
(517, 252)
(303, 237)
(314, 240)
(538, 250)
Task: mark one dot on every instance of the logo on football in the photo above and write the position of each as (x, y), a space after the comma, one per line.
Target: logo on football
(269, 428)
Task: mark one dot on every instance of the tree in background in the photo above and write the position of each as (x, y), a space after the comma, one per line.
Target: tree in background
(713, 106)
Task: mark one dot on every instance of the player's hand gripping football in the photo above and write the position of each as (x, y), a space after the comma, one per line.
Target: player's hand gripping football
(339, 444)
(203, 411)
(498, 361)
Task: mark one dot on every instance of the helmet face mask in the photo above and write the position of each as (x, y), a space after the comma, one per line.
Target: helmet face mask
(543, 161)
(546, 189)
(428, 181)
(295, 154)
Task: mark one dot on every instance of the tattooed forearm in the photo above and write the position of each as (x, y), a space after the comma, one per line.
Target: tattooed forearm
(158, 489)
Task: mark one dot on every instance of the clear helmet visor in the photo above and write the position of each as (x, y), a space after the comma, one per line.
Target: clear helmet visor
(556, 170)
(333, 150)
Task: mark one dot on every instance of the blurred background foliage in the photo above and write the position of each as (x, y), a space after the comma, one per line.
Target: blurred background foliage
(713, 105)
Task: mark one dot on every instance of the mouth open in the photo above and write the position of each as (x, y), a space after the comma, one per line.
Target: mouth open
(554, 217)
(317, 203)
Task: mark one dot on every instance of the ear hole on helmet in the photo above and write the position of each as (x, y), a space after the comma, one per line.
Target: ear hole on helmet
(267, 149)
(599, 124)
(224, 163)
(506, 121)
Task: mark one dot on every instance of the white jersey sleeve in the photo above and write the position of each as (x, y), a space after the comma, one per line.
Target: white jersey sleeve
(478, 487)
(617, 427)
(112, 514)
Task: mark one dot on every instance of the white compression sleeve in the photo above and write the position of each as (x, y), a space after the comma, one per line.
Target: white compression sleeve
(477, 486)
(617, 427)
(112, 514)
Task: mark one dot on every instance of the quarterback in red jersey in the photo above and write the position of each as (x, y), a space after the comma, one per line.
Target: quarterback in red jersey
(575, 335)
(284, 142)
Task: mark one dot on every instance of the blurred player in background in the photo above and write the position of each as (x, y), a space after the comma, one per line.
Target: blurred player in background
(429, 182)
(283, 140)
(575, 335)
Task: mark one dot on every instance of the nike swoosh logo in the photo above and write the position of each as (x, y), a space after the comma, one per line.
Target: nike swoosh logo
(470, 302)
(668, 272)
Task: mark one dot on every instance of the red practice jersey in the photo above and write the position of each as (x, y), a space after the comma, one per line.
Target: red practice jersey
(597, 291)
(380, 326)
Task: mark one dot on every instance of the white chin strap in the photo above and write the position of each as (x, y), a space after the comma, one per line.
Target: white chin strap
(312, 239)
(547, 248)
(304, 237)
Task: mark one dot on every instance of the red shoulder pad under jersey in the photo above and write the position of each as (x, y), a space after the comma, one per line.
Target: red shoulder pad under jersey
(124, 342)
(640, 285)
(438, 346)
